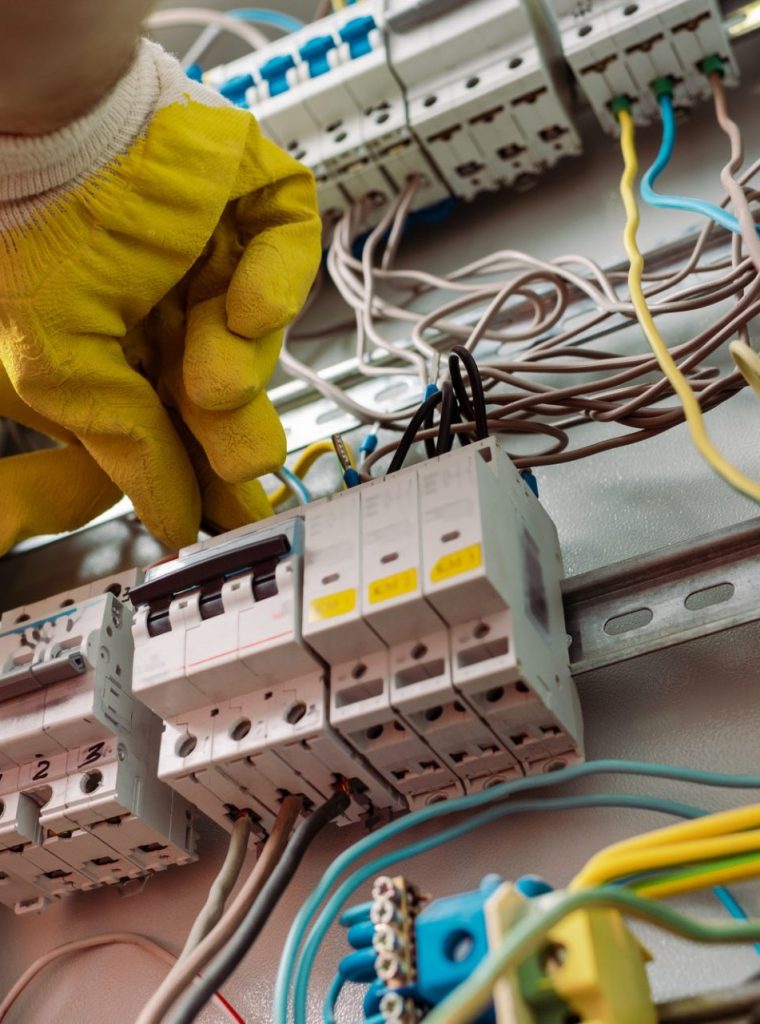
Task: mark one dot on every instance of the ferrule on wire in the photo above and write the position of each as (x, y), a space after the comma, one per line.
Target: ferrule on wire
(713, 65)
(368, 443)
(663, 86)
(529, 477)
(351, 476)
(619, 103)
(430, 389)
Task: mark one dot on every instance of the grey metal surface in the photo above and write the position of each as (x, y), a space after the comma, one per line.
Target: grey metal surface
(733, 1006)
(662, 600)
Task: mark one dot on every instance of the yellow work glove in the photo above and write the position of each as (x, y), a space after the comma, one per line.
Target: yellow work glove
(50, 490)
(150, 256)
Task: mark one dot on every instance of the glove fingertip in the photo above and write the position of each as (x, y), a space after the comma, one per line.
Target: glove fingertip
(264, 454)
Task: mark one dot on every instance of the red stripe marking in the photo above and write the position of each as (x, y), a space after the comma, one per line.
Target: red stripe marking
(243, 647)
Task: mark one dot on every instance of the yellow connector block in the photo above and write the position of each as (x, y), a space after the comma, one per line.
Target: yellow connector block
(591, 967)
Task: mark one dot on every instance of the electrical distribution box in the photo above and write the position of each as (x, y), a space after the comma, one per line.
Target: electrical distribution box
(400, 636)
(462, 97)
(618, 49)
(81, 804)
(404, 638)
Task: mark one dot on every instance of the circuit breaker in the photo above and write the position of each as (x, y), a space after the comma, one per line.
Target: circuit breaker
(616, 49)
(463, 98)
(397, 636)
(80, 801)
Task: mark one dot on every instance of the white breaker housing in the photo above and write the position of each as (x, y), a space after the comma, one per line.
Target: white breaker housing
(617, 48)
(460, 96)
(80, 801)
(400, 635)
(220, 655)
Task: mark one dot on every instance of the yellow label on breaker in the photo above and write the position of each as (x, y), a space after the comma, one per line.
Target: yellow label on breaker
(392, 586)
(457, 562)
(332, 605)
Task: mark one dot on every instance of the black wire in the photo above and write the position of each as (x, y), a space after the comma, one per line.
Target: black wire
(448, 411)
(459, 389)
(263, 906)
(464, 437)
(407, 438)
(477, 408)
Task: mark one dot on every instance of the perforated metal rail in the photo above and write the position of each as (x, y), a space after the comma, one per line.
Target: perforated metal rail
(663, 599)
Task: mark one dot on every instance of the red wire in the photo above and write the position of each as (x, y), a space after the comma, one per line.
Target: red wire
(229, 1008)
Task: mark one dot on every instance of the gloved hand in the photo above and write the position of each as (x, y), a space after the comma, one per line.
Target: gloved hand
(150, 256)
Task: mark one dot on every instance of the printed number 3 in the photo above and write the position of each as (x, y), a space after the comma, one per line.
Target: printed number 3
(93, 753)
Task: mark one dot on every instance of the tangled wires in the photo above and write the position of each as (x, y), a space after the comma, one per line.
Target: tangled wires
(544, 334)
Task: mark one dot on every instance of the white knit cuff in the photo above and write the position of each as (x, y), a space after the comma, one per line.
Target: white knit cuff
(31, 166)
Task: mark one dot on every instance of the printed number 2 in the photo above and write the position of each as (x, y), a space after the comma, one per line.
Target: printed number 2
(42, 770)
(93, 753)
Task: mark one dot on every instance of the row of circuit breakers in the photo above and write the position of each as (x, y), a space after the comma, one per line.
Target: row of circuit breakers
(465, 95)
(405, 636)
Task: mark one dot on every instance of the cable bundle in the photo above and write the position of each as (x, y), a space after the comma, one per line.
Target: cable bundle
(543, 331)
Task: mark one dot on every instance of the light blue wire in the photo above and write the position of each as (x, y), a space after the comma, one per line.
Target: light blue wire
(296, 485)
(331, 999)
(266, 16)
(732, 905)
(726, 897)
(298, 929)
(262, 15)
(381, 864)
(671, 202)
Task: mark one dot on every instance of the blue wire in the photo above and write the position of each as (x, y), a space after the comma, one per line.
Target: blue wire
(266, 16)
(732, 905)
(356, 914)
(296, 485)
(331, 999)
(724, 895)
(671, 202)
(382, 864)
(298, 929)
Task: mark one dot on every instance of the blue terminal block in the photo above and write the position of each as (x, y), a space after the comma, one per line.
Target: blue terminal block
(531, 886)
(451, 941)
(315, 52)
(275, 73)
(235, 89)
(356, 33)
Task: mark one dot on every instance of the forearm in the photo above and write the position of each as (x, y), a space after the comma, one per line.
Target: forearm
(58, 58)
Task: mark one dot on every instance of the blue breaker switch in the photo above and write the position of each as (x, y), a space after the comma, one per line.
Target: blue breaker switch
(275, 73)
(356, 33)
(195, 72)
(315, 54)
(235, 89)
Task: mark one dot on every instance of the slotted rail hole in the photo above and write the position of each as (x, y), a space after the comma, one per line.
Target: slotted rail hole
(637, 618)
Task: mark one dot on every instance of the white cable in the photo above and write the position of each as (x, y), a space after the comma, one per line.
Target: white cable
(222, 885)
(205, 16)
(79, 945)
